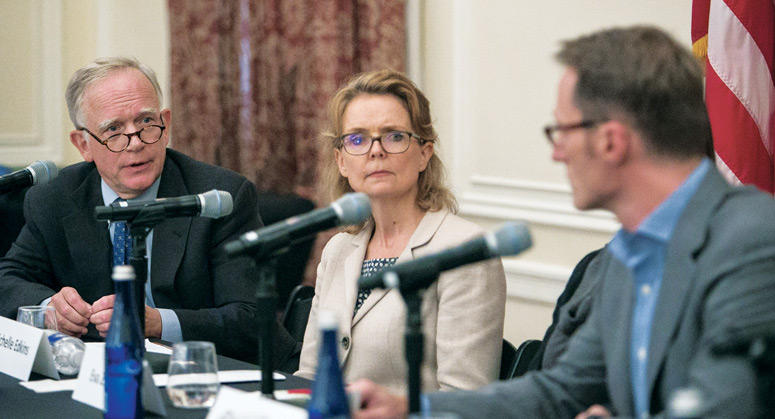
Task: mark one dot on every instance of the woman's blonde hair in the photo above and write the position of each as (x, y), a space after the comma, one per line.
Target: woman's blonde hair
(432, 192)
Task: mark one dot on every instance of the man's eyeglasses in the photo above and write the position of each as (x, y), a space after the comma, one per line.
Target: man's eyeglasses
(393, 142)
(551, 131)
(117, 143)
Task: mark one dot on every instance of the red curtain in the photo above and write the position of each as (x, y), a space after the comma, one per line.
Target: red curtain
(251, 78)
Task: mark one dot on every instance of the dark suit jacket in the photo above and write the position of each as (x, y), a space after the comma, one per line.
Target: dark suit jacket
(63, 244)
(572, 309)
(719, 277)
(11, 217)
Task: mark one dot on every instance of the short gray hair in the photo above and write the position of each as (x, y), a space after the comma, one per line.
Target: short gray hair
(98, 70)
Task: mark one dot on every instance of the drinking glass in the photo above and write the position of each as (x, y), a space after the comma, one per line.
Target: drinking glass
(193, 375)
(42, 317)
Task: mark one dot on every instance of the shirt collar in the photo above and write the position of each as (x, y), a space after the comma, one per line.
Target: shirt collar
(662, 221)
(660, 224)
(108, 195)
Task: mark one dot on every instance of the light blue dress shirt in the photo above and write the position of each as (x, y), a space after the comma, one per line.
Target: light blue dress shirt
(644, 253)
(170, 324)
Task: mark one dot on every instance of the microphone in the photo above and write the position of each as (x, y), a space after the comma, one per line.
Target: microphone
(351, 208)
(211, 204)
(755, 340)
(510, 239)
(38, 173)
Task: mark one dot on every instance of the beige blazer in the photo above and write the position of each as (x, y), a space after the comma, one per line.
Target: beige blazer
(462, 313)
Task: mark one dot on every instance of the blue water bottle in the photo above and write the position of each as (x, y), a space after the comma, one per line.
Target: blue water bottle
(328, 398)
(124, 346)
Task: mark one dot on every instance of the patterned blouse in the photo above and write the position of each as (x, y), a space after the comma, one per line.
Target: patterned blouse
(370, 267)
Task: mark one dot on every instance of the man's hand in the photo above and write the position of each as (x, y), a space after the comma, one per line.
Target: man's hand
(152, 323)
(102, 310)
(378, 402)
(594, 411)
(73, 312)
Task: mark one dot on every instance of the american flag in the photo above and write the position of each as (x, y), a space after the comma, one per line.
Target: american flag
(739, 85)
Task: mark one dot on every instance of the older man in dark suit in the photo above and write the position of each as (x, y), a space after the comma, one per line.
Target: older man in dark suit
(693, 262)
(63, 256)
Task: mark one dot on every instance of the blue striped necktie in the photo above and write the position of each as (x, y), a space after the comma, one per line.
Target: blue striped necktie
(122, 242)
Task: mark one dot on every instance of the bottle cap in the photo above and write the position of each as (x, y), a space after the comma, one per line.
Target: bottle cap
(77, 358)
(327, 320)
(123, 273)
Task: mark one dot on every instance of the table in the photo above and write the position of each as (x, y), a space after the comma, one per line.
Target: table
(18, 402)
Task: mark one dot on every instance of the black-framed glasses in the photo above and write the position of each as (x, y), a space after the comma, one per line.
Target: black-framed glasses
(117, 143)
(551, 131)
(393, 142)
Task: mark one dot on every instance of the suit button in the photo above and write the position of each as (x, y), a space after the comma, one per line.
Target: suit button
(345, 342)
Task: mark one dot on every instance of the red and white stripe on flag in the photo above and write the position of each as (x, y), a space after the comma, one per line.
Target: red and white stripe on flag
(740, 89)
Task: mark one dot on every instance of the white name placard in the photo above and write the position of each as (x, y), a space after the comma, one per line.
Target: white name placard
(24, 349)
(90, 385)
(234, 403)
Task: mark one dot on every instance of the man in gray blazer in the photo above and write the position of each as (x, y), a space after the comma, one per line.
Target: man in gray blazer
(63, 256)
(693, 262)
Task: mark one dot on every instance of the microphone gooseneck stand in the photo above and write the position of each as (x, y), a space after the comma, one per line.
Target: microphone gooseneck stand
(413, 346)
(266, 298)
(264, 266)
(413, 338)
(139, 228)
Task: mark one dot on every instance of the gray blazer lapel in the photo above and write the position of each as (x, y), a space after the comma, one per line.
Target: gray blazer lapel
(88, 240)
(679, 275)
(171, 235)
(615, 302)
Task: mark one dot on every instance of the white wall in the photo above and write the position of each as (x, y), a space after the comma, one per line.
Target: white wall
(43, 43)
(486, 66)
(488, 70)
(30, 51)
